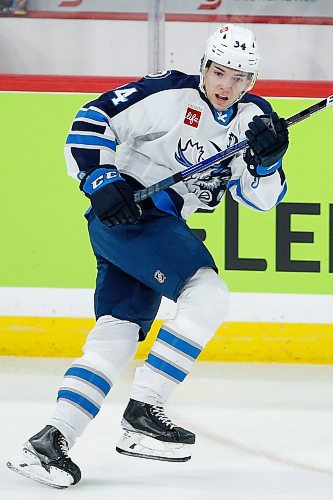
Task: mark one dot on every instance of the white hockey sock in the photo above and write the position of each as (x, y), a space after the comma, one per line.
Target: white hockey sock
(201, 308)
(79, 399)
(110, 345)
(168, 363)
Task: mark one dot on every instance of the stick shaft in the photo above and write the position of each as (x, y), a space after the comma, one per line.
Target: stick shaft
(223, 155)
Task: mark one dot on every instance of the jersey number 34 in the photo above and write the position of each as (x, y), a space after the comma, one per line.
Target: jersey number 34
(122, 95)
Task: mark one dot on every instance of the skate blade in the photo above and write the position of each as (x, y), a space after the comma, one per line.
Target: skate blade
(138, 445)
(28, 465)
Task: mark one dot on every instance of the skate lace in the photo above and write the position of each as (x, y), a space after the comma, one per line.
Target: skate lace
(158, 412)
(63, 446)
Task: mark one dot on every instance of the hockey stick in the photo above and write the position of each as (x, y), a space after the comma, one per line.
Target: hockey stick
(142, 194)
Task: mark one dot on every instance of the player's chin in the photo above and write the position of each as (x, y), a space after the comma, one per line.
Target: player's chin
(220, 105)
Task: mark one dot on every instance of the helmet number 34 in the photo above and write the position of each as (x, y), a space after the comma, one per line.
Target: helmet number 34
(241, 45)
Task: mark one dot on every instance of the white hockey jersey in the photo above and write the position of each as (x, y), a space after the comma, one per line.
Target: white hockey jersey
(162, 124)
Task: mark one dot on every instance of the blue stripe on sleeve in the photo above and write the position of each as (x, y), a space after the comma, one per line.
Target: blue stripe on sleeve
(249, 203)
(165, 367)
(90, 377)
(178, 343)
(239, 193)
(90, 140)
(79, 400)
(92, 115)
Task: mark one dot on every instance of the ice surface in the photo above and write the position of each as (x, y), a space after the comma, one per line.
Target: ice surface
(264, 432)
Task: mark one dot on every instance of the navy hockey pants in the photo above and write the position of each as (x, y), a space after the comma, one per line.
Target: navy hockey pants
(139, 263)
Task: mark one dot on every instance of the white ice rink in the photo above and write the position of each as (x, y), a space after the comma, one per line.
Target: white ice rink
(264, 432)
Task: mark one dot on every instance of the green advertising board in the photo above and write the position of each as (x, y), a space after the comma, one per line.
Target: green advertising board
(44, 237)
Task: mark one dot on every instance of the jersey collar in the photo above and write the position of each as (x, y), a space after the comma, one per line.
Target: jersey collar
(221, 117)
(224, 117)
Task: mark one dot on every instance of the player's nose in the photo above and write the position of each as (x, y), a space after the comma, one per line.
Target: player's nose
(226, 85)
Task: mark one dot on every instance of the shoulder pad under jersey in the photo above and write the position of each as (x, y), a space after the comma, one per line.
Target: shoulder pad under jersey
(264, 105)
(117, 100)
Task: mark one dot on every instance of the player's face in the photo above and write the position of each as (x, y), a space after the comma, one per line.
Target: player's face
(224, 85)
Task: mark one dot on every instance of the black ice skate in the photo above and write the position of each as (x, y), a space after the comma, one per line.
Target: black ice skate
(150, 434)
(45, 459)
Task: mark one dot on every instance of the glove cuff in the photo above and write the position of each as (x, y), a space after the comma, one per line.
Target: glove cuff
(261, 171)
(98, 179)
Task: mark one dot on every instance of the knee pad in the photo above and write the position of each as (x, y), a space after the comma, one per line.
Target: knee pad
(201, 307)
(110, 345)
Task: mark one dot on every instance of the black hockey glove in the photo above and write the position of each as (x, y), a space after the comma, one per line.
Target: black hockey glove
(268, 139)
(112, 199)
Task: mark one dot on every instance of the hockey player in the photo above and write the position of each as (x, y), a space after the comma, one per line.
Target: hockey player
(159, 125)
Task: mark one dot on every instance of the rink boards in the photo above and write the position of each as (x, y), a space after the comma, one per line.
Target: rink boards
(234, 341)
(278, 265)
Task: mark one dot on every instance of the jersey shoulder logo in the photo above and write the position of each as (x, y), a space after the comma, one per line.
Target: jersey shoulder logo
(158, 75)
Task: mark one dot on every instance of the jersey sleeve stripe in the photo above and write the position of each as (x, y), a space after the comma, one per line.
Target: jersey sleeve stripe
(240, 194)
(92, 114)
(88, 120)
(78, 140)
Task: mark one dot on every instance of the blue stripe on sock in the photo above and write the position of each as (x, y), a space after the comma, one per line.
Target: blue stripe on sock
(79, 400)
(89, 376)
(180, 344)
(165, 367)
